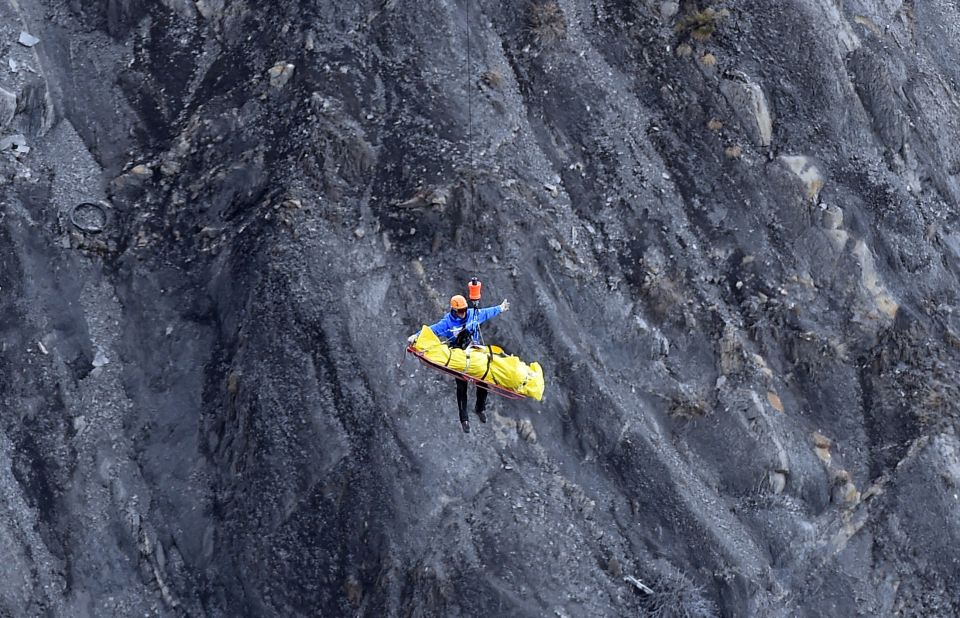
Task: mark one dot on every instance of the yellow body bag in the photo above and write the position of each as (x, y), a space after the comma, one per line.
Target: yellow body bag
(487, 363)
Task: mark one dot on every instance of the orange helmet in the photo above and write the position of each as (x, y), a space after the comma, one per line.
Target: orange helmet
(458, 302)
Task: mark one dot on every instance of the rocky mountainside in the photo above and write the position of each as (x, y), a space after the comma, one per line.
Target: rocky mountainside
(728, 231)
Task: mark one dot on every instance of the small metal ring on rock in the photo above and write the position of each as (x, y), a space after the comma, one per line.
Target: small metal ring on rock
(89, 217)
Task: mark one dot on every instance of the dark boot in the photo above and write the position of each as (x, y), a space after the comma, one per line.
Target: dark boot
(466, 426)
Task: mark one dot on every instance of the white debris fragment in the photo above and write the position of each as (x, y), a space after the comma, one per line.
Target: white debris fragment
(28, 40)
(100, 358)
(639, 584)
(42, 348)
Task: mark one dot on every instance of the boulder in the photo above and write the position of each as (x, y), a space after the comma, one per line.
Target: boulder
(807, 171)
(750, 104)
(280, 74)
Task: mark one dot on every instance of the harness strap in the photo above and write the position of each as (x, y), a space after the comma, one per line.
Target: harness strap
(489, 365)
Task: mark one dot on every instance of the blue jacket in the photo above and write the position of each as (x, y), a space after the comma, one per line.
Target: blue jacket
(450, 325)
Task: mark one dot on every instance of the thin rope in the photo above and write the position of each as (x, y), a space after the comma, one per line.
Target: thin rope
(469, 85)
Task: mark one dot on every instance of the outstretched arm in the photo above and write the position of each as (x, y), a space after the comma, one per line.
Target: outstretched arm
(489, 312)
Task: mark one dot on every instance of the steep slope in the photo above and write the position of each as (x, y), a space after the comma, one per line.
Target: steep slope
(728, 232)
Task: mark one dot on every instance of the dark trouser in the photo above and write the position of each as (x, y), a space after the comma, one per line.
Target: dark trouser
(462, 398)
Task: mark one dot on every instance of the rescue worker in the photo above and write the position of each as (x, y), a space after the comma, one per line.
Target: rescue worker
(461, 327)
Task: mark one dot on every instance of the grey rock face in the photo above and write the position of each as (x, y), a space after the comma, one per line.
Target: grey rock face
(8, 107)
(729, 233)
